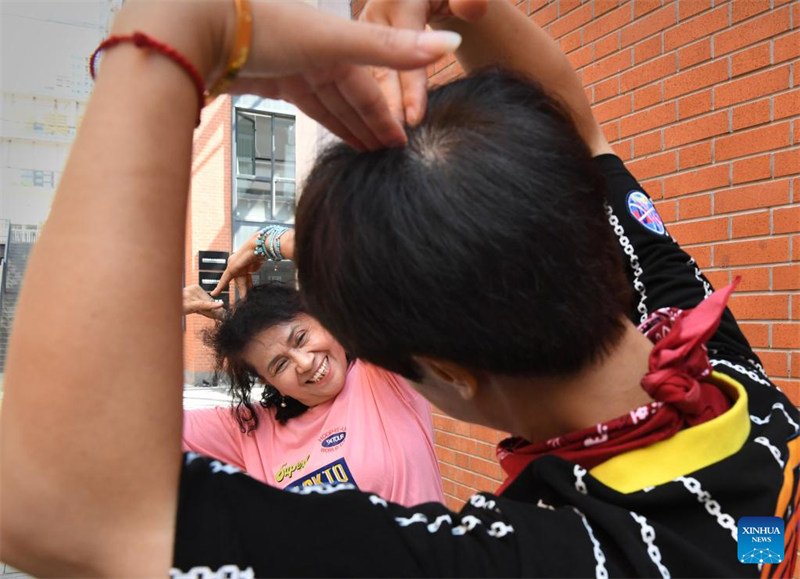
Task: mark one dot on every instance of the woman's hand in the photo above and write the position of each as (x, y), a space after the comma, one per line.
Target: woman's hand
(196, 300)
(406, 91)
(243, 263)
(298, 54)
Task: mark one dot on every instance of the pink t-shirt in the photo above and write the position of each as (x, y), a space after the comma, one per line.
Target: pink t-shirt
(377, 434)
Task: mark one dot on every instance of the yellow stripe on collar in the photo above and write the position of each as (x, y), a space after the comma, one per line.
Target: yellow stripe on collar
(687, 451)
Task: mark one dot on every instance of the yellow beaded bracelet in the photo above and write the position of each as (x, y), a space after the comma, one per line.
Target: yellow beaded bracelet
(239, 51)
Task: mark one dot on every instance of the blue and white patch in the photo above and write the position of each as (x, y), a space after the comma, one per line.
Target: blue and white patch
(642, 210)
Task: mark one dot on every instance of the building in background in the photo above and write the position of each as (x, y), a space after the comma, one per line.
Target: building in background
(250, 156)
(45, 87)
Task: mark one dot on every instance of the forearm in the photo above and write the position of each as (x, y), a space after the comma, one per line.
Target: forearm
(506, 37)
(106, 373)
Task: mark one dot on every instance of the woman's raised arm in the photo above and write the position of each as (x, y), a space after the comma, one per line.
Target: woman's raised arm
(92, 409)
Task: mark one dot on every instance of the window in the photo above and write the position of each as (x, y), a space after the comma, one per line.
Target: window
(264, 174)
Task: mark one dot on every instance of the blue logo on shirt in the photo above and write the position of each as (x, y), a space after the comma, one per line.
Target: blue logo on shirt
(642, 210)
(760, 540)
(334, 439)
(334, 473)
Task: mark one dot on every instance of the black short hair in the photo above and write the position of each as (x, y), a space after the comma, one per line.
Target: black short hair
(267, 305)
(483, 241)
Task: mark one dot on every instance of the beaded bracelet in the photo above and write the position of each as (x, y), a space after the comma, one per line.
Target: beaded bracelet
(239, 51)
(268, 242)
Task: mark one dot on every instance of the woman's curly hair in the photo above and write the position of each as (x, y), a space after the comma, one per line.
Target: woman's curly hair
(266, 305)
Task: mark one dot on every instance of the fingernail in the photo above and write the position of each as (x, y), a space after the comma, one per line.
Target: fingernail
(412, 116)
(435, 41)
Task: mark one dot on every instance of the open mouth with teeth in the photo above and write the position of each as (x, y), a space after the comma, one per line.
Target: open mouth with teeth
(321, 372)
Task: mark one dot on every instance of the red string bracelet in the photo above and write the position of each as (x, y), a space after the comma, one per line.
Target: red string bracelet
(141, 40)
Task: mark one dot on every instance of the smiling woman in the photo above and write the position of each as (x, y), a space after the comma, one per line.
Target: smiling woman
(322, 418)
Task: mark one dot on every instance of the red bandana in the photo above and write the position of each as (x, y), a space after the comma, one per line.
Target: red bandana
(678, 363)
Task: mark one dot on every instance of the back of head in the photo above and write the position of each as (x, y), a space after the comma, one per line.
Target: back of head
(266, 305)
(483, 241)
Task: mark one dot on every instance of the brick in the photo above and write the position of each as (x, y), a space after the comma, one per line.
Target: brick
(796, 249)
(570, 42)
(644, 27)
(750, 225)
(794, 368)
(704, 231)
(642, 7)
(648, 72)
(702, 255)
(647, 96)
(759, 307)
(689, 9)
(606, 45)
(757, 334)
(668, 210)
(753, 169)
(757, 196)
(646, 144)
(787, 163)
(654, 166)
(571, 21)
(609, 66)
(612, 108)
(696, 130)
(648, 119)
(753, 279)
(487, 468)
(693, 207)
(786, 47)
(786, 277)
(694, 155)
(611, 131)
(705, 179)
(486, 434)
(624, 149)
(581, 57)
(606, 89)
(751, 32)
(786, 220)
(654, 188)
(718, 277)
(791, 388)
(694, 104)
(752, 86)
(751, 114)
(786, 335)
(606, 24)
(786, 104)
(696, 78)
(694, 53)
(699, 27)
(566, 6)
(750, 59)
(647, 49)
(775, 136)
(770, 250)
(776, 364)
(744, 10)
(547, 14)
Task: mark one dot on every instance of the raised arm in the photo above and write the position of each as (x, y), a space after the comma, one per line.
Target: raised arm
(494, 32)
(91, 422)
(245, 261)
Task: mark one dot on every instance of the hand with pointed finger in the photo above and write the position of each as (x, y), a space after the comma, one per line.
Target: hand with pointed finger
(299, 54)
(406, 90)
(196, 300)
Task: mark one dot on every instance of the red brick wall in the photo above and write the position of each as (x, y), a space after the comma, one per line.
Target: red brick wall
(209, 216)
(700, 98)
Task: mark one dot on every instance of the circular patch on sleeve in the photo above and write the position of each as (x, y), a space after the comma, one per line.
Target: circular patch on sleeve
(642, 210)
